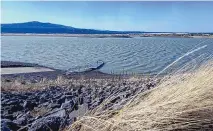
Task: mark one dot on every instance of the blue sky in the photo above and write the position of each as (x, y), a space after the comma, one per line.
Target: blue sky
(108, 15)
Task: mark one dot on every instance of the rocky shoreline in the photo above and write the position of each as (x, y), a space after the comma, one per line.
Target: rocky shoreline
(53, 75)
(54, 107)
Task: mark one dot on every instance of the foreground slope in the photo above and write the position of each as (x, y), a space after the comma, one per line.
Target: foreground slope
(181, 102)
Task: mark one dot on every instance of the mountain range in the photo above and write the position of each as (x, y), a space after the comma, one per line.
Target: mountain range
(50, 28)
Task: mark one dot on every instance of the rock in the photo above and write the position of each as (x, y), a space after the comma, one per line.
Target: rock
(14, 108)
(23, 120)
(127, 94)
(18, 114)
(92, 106)
(68, 93)
(25, 128)
(115, 99)
(8, 116)
(124, 88)
(13, 102)
(75, 106)
(33, 99)
(47, 124)
(54, 101)
(88, 90)
(44, 95)
(23, 97)
(52, 105)
(33, 81)
(8, 125)
(150, 85)
(73, 90)
(124, 83)
(101, 92)
(38, 117)
(23, 82)
(4, 127)
(4, 101)
(42, 100)
(68, 97)
(57, 97)
(61, 100)
(80, 90)
(80, 100)
(7, 80)
(101, 99)
(59, 113)
(88, 99)
(71, 120)
(29, 105)
(75, 94)
(29, 94)
(68, 105)
(44, 104)
(117, 107)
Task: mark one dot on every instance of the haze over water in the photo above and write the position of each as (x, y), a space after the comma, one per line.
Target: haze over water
(141, 55)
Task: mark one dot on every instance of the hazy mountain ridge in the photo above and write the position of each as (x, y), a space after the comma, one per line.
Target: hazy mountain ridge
(50, 28)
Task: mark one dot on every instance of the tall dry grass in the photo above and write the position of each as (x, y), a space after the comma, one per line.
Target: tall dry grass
(183, 101)
(20, 84)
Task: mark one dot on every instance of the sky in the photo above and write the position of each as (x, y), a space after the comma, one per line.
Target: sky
(153, 16)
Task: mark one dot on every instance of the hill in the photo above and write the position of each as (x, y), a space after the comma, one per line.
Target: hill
(50, 28)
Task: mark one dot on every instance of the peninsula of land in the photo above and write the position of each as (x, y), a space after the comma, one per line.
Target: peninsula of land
(35, 28)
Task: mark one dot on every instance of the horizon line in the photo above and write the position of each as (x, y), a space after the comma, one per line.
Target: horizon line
(103, 29)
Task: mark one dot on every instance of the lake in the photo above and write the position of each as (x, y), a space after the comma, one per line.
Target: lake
(142, 55)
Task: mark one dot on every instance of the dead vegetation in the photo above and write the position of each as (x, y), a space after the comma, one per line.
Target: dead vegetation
(182, 101)
(19, 84)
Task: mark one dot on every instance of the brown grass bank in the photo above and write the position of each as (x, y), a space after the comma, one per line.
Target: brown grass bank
(181, 102)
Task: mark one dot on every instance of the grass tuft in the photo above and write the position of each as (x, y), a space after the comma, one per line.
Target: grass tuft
(183, 101)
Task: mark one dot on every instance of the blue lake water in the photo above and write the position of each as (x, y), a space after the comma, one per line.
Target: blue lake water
(146, 55)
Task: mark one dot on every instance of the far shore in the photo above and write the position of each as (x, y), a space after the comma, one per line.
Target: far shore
(166, 35)
(71, 35)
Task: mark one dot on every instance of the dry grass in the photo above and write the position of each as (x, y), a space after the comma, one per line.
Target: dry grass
(183, 101)
(19, 84)
(23, 85)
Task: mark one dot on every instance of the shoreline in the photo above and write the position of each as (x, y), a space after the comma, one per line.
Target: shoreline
(62, 100)
(72, 35)
(52, 73)
(32, 107)
(111, 35)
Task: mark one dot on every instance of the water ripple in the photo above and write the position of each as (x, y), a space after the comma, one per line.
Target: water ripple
(135, 55)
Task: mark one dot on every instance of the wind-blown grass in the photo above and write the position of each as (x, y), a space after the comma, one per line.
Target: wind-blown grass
(183, 101)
